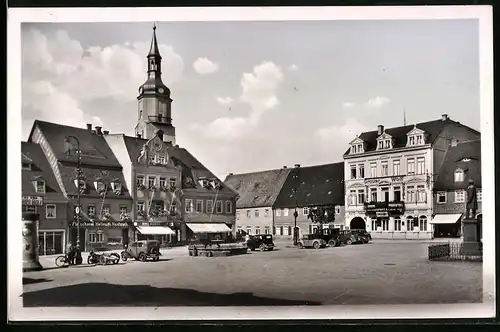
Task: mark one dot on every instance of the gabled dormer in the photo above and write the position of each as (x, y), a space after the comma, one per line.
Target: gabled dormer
(100, 186)
(416, 137)
(39, 184)
(385, 141)
(357, 146)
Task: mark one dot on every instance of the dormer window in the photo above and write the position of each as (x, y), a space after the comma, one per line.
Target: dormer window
(384, 144)
(39, 186)
(419, 139)
(161, 160)
(357, 146)
(416, 137)
(459, 175)
(26, 166)
(116, 185)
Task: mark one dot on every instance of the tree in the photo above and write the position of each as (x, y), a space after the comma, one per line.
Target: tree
(321, 215)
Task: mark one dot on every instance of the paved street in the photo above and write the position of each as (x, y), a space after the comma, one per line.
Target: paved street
(382, 272)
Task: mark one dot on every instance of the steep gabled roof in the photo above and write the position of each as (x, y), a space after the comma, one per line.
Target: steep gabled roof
(40, 168)
(95, 150)
(319, 185)
(431, 128)
(257, 189)
(454, 160)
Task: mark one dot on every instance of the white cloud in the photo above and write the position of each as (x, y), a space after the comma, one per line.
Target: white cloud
(377, 102)
(59, 75)
(203, 66)
(293, 67)
(224, 100)
(259, 90)
(341, 135)
(348, 105)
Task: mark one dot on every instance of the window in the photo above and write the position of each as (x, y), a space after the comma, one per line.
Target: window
(26, 166)
(266, 214)
(40, 186)
(199, 206)
(353, 172)
(172, 182)
(188, 206)
(140, 206)
(140, 180)
(423, 223)
(50, 211)
(278, 213)
(361, 171)
(238, 216)
(420, 165)
(30, 208)
(256, 213)
(411, 140)
(173, 207)
(385, 224)
(123, 209)
(421, 194)
(411, 166)
(152, 159)
(248, 214)
(285, 212)
(352, 197)
(96, 237)
(361, 196)
(305, 211)
(385, 194)
(380, 144)
(218, 207)
(479, 195)
(387, 144)
(257, 230)
(267, 230)
(249, 229)
(397, 194)
(396, 167)
(410, 194)
(385, 168)
(353, 149)
(373, 170)
(229, 207)
(161, 159)
(140, 114)
(290, 230)
(410, 223)
(373, 194)
(163, 182)
(210, 206)
(459, 175)
(459, 196)
(397, 224)
(441, 197)
(151, 181)
(105, 209)
(91, 210)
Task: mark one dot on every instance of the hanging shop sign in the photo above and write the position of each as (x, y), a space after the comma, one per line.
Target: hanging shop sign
(384, 209)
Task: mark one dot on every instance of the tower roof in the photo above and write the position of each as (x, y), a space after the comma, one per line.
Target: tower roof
(154, 50)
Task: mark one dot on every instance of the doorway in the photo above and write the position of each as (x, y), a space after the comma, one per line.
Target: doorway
(358, 223)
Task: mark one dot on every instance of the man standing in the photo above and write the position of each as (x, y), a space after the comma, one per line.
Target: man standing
(471, 208)
(70, 253)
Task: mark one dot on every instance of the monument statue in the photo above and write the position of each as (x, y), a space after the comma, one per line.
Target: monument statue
(470, 209)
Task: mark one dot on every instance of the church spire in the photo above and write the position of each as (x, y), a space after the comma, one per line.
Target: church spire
(153, 50)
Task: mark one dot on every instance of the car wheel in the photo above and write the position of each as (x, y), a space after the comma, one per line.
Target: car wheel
(349, 242)
(142, 257)
(89, 260)
(300, 245)
(332, 243)
(316, 245)
(124, 257)
(262, 247)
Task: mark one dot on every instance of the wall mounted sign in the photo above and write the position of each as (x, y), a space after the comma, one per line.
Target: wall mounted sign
(390, 208)
(33, 200)
(105, 224)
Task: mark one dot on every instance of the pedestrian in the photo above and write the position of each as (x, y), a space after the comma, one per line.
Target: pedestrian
(70, 253)
(78, 253)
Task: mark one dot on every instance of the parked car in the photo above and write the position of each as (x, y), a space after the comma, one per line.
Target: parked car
(143, 250)
(362, 233)
(349, 237)
(262, 241)
(311, 241)
(330, 235)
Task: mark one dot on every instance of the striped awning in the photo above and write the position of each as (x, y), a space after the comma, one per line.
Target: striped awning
(209, 228)
(155, 230)
(445, 218)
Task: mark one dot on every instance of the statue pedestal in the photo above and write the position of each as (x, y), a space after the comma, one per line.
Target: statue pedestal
(470, 240)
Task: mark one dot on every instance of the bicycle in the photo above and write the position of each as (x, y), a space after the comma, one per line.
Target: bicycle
(62, 261)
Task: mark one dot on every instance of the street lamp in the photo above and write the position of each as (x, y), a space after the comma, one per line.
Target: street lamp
(296, 177)
(78, 176)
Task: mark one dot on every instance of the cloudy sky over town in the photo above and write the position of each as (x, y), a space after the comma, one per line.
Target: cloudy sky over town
(250, 96)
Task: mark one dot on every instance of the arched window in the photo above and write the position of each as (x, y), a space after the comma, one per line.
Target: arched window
(423, 223)
(410, 223)
(459, 175)
(140, 114)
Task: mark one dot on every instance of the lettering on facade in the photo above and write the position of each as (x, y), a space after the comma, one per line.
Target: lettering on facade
(107, 224)
(392, 179)
(455, 208)
(384, 209)
(33, 200)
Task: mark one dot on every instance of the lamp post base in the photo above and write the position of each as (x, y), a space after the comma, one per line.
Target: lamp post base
(32, 265)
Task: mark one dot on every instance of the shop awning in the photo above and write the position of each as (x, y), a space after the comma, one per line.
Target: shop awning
(445, 218)
(209, 228)
(155, 230)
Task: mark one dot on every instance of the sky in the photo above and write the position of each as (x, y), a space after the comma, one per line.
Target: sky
(250, 96)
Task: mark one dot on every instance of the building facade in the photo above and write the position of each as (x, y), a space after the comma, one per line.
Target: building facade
(390, 174)
(42, 195)
(105, 202)
(256, 195)
(307, 188)
(461, 164)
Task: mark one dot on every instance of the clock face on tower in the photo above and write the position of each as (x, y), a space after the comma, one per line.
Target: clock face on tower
(160, 90)
(157, 146)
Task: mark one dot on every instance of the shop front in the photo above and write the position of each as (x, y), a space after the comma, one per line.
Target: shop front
(447, 225)
(51, 242)
(384, 218)
(101, 235)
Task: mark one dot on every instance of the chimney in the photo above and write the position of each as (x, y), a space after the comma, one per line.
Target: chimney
(98, 130)
(106, 132)
(454, 142)
(89, 126)
(231, 173)
(380, 129)
(284, 167)
(138, 135)
(444, 117)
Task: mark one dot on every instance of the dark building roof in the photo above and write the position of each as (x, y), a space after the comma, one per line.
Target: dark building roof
(40, 168)
(319, 185)
(432, 128)
(95, 150)
(454, 160)
(257, 189)
(189, 165)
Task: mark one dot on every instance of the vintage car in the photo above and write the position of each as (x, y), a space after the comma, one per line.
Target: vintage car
(311, 241)
(349, 237)
(143, 250)
(330, 235)
(262, 241)
(363, 234)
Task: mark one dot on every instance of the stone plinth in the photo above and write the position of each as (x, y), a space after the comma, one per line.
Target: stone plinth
(471, 243)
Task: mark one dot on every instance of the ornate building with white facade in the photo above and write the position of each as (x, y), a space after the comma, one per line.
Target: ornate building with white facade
(389, 176)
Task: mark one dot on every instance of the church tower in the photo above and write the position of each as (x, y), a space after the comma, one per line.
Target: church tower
(154, 106)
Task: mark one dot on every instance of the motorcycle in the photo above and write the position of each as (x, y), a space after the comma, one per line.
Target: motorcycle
(95, 258)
